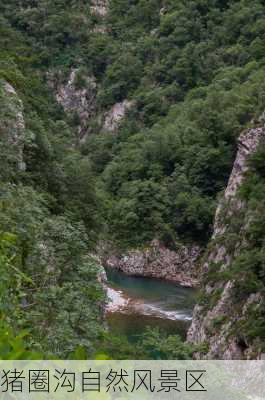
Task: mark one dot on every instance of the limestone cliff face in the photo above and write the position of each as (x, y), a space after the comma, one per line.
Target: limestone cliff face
(12, 125)
(99, 7)
(157, 261)
(217, 319)
(115, 115)
(78, 97)
(247, 143)
(79, 100)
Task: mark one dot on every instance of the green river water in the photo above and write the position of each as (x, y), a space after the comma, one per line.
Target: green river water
(137, 302)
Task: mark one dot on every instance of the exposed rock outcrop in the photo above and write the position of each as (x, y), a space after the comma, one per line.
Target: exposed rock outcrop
(247, 143)
(78, 96)
(158, 262)
(217, 318)
(78, 99)
(12, 124)
(99, 7)
(114, 116)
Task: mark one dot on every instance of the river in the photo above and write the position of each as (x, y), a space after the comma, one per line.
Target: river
(138, 302)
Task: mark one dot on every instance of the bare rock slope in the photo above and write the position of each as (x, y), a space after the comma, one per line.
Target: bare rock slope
(219, 315)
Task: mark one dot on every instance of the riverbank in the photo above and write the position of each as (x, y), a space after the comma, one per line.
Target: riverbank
(157, 261)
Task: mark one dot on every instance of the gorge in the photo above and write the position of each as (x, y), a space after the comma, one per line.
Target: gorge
(220, 255)
(132, 138)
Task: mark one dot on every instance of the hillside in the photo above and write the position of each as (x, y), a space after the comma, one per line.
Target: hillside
(229, 316)
(119, 128)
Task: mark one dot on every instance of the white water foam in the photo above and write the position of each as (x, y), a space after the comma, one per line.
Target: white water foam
(155, 310)
(118, 302)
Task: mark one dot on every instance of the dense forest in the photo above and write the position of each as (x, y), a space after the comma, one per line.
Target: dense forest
(192, 74)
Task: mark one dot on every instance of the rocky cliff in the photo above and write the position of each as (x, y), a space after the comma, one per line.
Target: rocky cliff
(99, 7)
(77, 94)
(12, 125)
(114, 116)
(228, 301)
(157, 261)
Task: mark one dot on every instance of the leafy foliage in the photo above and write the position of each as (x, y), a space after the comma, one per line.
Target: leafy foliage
(194, 71)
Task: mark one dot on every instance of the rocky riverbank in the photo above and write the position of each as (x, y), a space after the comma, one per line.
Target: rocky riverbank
(157, 261)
